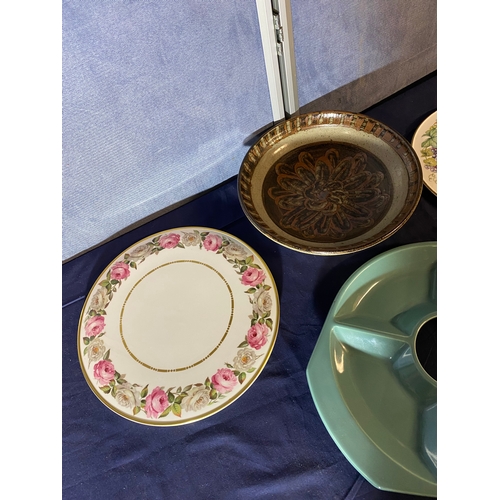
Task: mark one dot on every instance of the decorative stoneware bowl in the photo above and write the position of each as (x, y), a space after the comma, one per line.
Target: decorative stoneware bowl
(330, 183)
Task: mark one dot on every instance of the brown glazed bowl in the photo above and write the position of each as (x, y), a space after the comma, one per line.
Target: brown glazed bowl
(330, 183)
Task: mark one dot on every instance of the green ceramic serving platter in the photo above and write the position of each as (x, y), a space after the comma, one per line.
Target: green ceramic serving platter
(374, 396)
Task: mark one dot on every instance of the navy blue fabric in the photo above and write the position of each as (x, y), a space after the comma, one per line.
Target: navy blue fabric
(271, 442)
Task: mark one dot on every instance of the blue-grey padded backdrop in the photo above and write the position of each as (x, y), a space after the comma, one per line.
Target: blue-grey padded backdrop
(378, 46)
(158, 100)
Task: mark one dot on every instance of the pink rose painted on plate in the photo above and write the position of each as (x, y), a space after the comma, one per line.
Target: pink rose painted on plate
(120, 271)
(224, 380)
(170, 240)
(212, 242)
(257, 336)
(95, 325)
(104, 372)
(156, 403)
(253, 277)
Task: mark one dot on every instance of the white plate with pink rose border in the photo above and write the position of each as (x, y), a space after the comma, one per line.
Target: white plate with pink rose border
(178, 326)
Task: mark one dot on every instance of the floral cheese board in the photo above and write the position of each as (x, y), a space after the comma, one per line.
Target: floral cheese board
(425, 144)
(178, 326)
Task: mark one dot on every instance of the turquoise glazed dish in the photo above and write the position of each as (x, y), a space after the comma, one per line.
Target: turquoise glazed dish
(372, 392)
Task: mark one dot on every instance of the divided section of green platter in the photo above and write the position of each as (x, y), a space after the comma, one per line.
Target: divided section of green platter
(373, 395)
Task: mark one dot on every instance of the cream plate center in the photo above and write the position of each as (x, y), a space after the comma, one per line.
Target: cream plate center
(176, 316)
